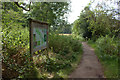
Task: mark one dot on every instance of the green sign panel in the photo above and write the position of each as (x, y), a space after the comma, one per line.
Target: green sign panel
(39, 35)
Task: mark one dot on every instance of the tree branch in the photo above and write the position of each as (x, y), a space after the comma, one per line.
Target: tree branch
(23, 7)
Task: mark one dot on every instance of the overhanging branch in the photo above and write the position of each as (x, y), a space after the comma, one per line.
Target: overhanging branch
(23, 7)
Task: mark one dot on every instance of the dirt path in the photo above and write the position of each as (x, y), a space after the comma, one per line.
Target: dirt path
(89, 66)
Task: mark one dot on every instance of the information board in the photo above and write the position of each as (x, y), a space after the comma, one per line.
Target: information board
(38, 35)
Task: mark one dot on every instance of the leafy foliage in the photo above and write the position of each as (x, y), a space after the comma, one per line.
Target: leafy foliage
(61, 43)
(93, 23)
(105, 37)
(80, 26)
(64, 27)
(16, 54)
(64, 51)
(52, 13)
(107, 45)
(15, 39)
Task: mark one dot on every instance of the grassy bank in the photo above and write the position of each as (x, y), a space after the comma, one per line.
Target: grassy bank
(109, 62)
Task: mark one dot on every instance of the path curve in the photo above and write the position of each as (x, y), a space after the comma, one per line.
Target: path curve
(89, 66)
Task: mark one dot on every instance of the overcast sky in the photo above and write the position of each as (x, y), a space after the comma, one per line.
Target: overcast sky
(76, 8)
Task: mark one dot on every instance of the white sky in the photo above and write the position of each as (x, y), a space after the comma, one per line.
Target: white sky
(76, 7)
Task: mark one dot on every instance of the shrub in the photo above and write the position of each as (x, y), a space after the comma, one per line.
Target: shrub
(66, 50)
(78, 37)
(64, 44)
(107, 45)
(16, 56)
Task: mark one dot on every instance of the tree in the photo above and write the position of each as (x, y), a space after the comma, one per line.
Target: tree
(80, 26)
(22, 6)
(97, 22)
(65, 27)
(104, 22)
(52, 13)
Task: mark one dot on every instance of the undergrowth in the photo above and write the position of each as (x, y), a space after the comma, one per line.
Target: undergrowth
(63, 57)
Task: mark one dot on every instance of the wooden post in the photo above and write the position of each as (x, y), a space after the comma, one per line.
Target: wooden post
(31, 56)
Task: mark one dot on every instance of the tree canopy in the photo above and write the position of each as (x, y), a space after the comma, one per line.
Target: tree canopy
(97, 22)
(52, 13)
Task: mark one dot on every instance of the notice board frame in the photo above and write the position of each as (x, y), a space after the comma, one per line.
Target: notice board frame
(36, 23)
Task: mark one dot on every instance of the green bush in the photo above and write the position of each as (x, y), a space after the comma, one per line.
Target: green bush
(66, 50)
(64, 44)
(16, 56)
(15, 39)
(78, 37)
(107, 45)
